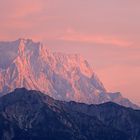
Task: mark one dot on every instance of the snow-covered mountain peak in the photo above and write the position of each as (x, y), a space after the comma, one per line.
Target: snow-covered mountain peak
(29, 64)
(26, 45)
(75, 62)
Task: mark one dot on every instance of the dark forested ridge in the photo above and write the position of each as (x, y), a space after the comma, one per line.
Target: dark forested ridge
(31, 115)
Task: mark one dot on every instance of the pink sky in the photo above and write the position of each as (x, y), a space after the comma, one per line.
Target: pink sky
(106, 33)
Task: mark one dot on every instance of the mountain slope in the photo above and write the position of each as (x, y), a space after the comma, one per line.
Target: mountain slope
(32, 115)
(24, 63)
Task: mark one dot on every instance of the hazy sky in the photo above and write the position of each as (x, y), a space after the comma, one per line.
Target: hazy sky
(105, 32)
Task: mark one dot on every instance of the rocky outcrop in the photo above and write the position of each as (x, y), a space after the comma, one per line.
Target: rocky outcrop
(24, 63)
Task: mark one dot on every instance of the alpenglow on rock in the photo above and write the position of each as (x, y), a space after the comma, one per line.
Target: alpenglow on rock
(24, 63)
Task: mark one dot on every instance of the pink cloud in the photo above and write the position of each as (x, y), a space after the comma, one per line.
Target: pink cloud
(74, 36)
(23, 9)
(18, 8)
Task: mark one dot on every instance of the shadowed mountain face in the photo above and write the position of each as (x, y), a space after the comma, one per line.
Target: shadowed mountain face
(31, 115)
(24, 63)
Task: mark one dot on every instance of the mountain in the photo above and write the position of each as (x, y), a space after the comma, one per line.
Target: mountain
(31, 115)
(68, 77)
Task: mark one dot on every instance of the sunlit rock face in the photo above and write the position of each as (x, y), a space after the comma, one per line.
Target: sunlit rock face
(24, 63)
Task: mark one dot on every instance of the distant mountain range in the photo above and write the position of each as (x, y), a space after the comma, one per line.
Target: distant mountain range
(66, 77)
(31, 115)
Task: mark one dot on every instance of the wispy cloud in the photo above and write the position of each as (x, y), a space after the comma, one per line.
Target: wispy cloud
(71, 35)
(23, 9)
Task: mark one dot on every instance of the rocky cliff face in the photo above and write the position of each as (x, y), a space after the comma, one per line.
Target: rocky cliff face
(32, 115)
(24, 63)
